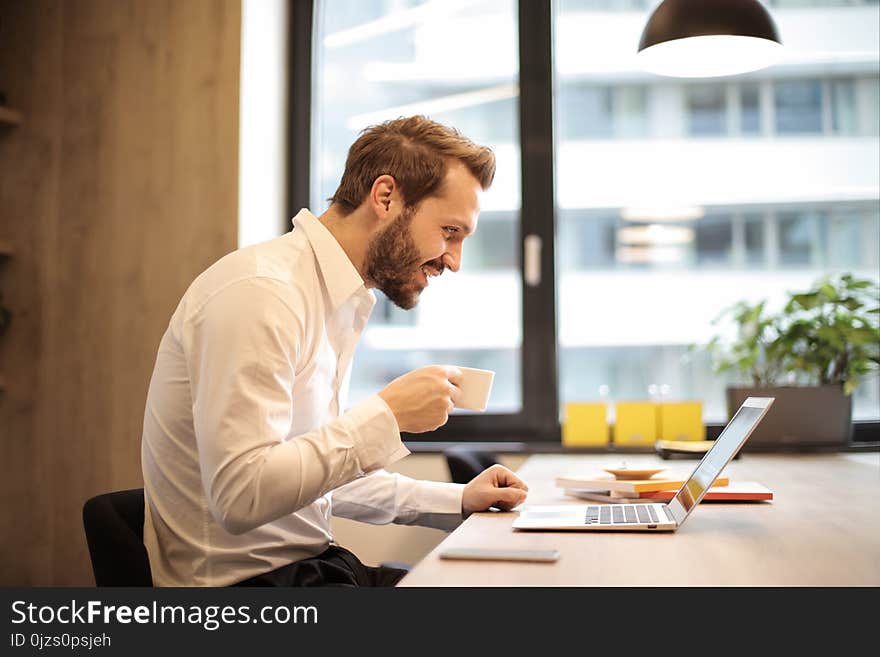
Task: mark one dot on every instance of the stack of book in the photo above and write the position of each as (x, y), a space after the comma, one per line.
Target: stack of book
(607, 488)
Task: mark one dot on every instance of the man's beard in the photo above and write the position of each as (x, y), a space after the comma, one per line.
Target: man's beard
(393, 260)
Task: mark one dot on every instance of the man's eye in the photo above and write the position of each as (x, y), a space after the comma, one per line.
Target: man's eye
(451, 230)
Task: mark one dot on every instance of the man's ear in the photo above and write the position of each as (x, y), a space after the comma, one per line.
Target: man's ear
(383, 196)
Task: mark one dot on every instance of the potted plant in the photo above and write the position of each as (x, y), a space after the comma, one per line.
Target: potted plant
(810, 356)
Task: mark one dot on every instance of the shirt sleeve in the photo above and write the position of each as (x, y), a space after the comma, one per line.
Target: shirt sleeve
(384, 497)
(241, 351)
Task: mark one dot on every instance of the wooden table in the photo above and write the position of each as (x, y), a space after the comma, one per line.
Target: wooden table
(821, 529)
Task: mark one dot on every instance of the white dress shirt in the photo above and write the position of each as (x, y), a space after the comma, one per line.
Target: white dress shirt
(245, 451)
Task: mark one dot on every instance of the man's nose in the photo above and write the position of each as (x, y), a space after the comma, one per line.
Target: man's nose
(452, 257)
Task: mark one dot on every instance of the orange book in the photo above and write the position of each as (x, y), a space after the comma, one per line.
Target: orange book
(733, 491)
(737, 490)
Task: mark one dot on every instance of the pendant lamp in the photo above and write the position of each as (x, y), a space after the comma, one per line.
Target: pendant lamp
(709, 38)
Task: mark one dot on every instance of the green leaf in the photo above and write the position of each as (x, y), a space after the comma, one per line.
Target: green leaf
(862, 335)
(827, 290)
(852, 303)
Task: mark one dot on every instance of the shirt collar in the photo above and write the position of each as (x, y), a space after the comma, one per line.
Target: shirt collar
(341, 278)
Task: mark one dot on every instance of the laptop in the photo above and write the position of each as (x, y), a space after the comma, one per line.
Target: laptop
(655, 517)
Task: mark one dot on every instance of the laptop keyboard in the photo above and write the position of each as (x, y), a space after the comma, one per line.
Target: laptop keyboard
(622, 514)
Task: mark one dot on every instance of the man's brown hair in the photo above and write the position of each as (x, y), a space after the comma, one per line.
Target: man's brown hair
(414, 151)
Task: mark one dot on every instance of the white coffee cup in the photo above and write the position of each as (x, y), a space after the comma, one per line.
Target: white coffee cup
(475, 387)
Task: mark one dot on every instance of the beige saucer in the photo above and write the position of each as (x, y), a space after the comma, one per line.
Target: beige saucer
(630, 473)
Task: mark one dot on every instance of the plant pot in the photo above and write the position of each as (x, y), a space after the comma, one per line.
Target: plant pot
(802, 417)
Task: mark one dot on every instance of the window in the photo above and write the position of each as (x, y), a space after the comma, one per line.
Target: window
(587, 239)
(585, 112)
(797, 238)
(657, 236)
(754, 241)
(820, 3)
(843, 107)
(714, 240)
(381, 60)
(630, 109)
(601, 112)
(798, 105)
(749, 109)
(840, 106)
(374, 60)
(649, 227)
(850, 235)
(707, 110)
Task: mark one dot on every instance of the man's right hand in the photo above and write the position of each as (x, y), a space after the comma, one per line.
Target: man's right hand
(422, 400)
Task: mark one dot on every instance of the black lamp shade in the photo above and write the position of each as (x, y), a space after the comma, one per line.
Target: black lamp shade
(679, 19)
(744, 24)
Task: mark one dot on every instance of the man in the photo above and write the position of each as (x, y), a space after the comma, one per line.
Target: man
(246, 451)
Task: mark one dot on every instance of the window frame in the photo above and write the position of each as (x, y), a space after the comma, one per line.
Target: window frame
(538, 419)
(538, 422)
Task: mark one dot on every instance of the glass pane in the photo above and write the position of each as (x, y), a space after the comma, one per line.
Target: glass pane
(843, 107)
(754, 239)
(630, 112)
(869, 105)
(381, 59)
(821, 3)
(657, 233)
(586, 240)
(600, 112)
(707, 110)
(585, 111)
(714, 240)
(848, 230)
(750, 109)
(796, 238)
(798, 106)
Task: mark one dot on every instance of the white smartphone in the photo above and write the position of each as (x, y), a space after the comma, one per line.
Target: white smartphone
(499, 554)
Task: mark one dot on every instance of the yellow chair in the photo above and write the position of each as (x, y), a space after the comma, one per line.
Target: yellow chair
(585, 424)
(635, 423)
(682, 420)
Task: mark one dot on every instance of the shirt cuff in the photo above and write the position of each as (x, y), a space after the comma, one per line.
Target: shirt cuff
(440, 497)
(377, 436)
(439, 505)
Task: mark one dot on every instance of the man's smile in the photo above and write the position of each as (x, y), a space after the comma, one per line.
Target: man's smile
(429, 270)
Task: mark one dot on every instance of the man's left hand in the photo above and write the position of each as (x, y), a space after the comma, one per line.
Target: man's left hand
(495, 486)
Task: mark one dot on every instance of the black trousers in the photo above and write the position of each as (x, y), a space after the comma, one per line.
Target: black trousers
(335, 566)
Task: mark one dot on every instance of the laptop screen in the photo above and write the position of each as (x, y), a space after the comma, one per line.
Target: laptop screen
(725, 448)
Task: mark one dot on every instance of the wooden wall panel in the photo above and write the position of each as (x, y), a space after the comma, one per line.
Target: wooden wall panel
(116, 191)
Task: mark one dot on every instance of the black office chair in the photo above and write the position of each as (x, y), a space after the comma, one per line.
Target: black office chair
(114, 526)
(465, 462)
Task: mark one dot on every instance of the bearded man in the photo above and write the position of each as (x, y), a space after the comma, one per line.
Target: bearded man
(247, 446)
